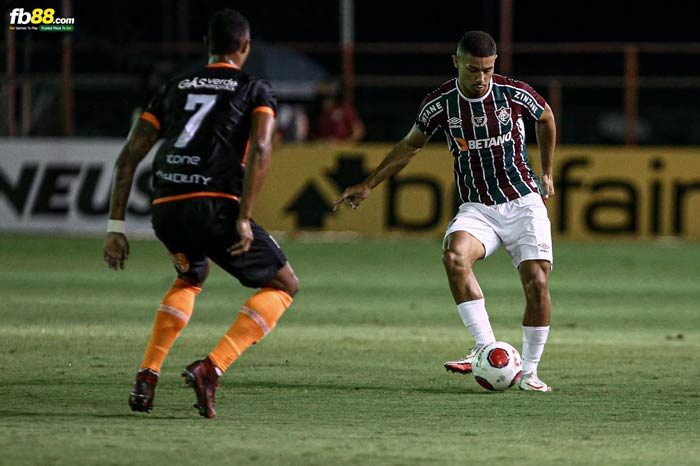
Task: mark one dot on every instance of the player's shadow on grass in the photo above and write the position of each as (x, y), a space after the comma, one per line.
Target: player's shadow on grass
(344, 387)
(161, 415)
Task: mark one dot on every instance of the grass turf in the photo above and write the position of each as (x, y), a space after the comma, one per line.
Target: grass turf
(353, 373)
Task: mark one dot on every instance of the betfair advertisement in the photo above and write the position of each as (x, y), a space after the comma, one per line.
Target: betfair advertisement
(606, 192)
(601, 192)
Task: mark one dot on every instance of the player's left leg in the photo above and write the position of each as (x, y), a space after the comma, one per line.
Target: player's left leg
(170, 222)
(171, 318)
(534, 276)
(527, 237)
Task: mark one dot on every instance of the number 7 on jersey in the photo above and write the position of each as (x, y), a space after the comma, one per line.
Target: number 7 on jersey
(206, 102)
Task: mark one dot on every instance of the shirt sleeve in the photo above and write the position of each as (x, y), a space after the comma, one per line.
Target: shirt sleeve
(155, 110)
(263, 99)
(532, 103)
(427, 120)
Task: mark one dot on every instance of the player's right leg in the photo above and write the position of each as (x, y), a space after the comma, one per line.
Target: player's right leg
(264, 266)
(468, 239)
(534, 275)
(256, 318)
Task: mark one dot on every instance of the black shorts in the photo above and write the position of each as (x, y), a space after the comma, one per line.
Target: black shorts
(204, 227)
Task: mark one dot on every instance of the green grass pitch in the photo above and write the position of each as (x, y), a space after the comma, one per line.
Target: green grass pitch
(352, 375)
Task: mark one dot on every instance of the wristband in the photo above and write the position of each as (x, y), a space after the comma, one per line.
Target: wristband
(116, 226)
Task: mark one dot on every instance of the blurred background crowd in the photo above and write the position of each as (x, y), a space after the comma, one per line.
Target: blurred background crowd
(356, 70)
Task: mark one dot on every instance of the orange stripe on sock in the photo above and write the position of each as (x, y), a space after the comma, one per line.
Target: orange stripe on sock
(172, 316)
(182, 315)
(257, 317)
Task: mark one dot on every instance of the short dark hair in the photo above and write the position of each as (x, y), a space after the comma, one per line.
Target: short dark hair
(226, 32)
(477, 44)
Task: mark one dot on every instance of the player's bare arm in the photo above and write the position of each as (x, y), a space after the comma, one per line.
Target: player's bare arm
(546, 129)
(395, 161)
(257, 166)
(142, 137)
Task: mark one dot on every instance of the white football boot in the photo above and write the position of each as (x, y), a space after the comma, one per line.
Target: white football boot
(464, 365)
(531, 383)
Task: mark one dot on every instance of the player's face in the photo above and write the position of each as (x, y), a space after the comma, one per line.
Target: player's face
(474, 73)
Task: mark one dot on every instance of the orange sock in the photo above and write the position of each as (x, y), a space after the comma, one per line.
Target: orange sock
(257, 318)
(171, 318)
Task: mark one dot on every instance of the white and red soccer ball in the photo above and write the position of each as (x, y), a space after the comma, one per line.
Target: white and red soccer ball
(497, 366)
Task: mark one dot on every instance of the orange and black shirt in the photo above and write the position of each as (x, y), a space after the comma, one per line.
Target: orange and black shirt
(204, 118)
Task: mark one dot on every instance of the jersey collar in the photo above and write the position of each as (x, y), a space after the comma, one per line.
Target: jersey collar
(478, 99)
(221, 64)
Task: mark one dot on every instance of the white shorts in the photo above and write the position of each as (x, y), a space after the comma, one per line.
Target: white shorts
(521, 225)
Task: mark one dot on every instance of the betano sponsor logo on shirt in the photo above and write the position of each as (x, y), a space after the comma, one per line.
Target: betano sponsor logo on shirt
(490, 142)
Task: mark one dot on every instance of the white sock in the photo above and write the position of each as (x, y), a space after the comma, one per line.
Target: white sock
(476, 319)
(534, 339)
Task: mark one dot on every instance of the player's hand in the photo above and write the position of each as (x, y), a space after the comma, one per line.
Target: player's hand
(547, 185)
(116, 250)
(246, 234)
(352, 196)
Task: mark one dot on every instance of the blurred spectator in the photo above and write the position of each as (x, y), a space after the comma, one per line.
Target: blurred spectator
(292, 123)
(338, 119)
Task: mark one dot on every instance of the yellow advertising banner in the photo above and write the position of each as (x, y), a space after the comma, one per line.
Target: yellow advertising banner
(610, 192)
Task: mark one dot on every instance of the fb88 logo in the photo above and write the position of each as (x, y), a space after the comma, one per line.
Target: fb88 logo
(37, 16)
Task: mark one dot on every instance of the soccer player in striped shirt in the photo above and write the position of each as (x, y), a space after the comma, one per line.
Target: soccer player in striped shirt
(481, 114)
(216, 124)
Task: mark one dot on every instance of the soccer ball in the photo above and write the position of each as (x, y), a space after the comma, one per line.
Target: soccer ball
(497, 366)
